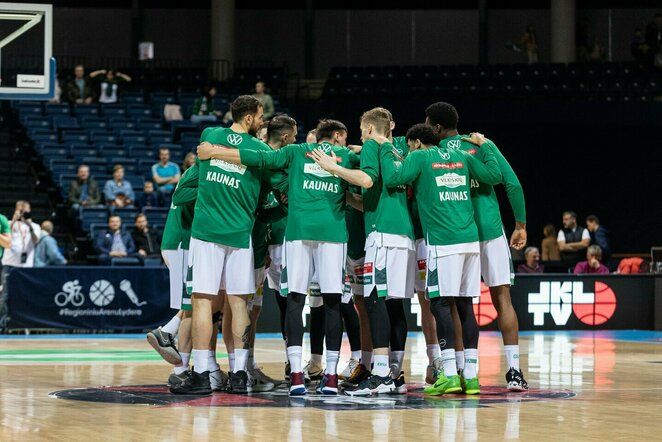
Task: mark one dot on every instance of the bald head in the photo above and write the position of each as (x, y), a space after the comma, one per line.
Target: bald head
(47, 226)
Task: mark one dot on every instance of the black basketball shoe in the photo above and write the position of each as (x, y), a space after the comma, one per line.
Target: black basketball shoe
(195, 383)
(238, 383)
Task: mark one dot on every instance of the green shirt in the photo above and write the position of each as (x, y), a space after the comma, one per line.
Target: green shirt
(483, 196)
(385, 208)
(355, 230)
(270, 212)
(316, 199)
(441, 181)
(228, 194)
(180, 216)
(4, 228)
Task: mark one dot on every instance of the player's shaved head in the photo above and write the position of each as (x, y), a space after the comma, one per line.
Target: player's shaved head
(326, 128)
(378, 117)
(424, 133)
(442, 114)
(279, 125)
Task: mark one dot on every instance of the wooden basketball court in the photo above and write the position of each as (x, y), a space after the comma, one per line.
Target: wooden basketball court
(584, 386)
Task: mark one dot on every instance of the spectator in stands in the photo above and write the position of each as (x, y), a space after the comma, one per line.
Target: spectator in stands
(80, 89)
(532, 264)
(633, 265)
(550, 246)
(24, 236)
(654, 36)
(529, 43)
(203, 107)
(149, 197)
(599, 236)
(573, 239)
(189, 160)
(583, 39)
(640, 51)
(84, 191)
(165, 173)
(113, 243)
(109, 84)
(593, 262)
(47, 252)
(265, 99)
(147, 241)
(118, 192)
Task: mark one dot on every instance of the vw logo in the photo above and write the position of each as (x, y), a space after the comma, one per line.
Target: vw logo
(445, 155)
(454, 144)
(235, 139)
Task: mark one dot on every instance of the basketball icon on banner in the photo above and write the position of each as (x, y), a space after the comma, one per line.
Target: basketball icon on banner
(484, 309)
(102, 293)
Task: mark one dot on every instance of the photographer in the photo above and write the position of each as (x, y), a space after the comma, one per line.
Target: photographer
(20, 253)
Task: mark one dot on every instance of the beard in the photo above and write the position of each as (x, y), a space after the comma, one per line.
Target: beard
(254, 129)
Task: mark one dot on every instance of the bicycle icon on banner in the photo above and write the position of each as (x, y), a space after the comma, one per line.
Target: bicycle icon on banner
(71, 293)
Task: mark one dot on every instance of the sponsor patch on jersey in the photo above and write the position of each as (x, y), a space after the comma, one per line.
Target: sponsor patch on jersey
(315, 169)
(422, 264)
(449, 166)
(472, 151)
(454, 144)
(235, 139)
(451, 180)
(228, 167)
(365, 268)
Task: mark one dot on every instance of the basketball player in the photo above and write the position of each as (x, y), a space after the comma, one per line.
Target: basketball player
(496, 263)
(389, 252)
(174, 246)
(421, 136)
(221, 255)
(441, 181)
(316, 238)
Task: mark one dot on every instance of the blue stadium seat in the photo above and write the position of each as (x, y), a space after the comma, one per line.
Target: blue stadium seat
(86, 110)
(57, 109)
(140, 112)
(127, 215)
(108, 150)
(105, 138)
(54, 152)
(52, 137)
(160, 139)
(81, 151)
(97, 216)
(113, 111)
(156, 215)
(134, 139)
(141, 152)
(65, 122)
(137, 181)
(75, 137)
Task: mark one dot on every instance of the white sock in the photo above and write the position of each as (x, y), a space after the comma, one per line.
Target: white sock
(294, 355)
(172, 326)
(448, 362)
(332, 362)
(200, 360)
(366, 359)
(512, 356)
(459, 360)
(241, 360)
(213, 365)
(471, 363)
(231, 361)
(179, 369)
(356, 355)
(433, 352)
(381, 367)
(396, 363)
(316, 359)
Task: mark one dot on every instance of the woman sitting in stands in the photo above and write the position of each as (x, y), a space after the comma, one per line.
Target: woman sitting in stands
(109, 84)
(203, 107)
(592, 263)
(550, 247)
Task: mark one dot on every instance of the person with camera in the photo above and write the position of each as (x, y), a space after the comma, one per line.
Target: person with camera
(24, 235)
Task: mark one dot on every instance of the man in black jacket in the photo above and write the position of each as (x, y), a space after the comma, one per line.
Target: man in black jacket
(84, 191)
(147, 240)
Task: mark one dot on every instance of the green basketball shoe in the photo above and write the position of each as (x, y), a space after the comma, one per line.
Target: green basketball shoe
(471, 386)
(444, 385)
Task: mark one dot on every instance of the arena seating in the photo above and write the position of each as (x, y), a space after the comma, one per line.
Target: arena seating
(574, 81)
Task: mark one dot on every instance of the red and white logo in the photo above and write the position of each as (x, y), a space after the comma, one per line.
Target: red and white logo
(562, 298)
(450, 166)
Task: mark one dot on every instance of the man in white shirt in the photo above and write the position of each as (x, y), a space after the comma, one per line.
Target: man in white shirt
(24, 237)
(573, 239)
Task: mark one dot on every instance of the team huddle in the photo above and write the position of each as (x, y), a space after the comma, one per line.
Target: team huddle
(357, 229)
